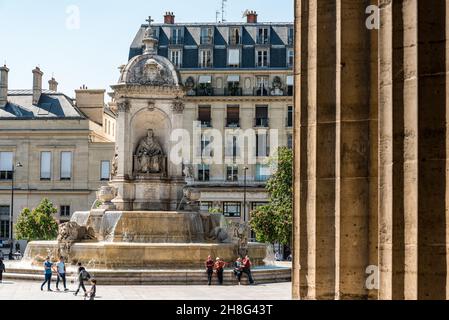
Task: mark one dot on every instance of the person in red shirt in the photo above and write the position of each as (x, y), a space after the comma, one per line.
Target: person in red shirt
(219, 269)
(209, 269)
(247, 269)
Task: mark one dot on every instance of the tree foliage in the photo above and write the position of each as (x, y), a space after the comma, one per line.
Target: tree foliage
(37, 224)
(274, 222)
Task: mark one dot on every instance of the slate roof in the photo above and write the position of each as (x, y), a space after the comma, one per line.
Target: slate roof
(51, 104)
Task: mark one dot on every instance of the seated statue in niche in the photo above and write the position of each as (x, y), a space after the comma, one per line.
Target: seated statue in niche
(149, 155)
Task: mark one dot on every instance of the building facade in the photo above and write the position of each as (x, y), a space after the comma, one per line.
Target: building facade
(236, 76)
(51, 146)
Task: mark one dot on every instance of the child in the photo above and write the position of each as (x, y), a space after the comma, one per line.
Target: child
(93, 290)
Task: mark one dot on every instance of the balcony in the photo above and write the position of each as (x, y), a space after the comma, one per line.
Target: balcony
(205, 123)
(232, 123)
(233, 92)
(261, 122)
(205, 92)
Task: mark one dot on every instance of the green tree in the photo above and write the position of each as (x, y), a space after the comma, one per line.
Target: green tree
(38, 224)
(274, 221)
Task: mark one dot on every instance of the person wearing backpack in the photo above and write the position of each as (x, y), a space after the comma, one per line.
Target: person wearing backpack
(83, 276)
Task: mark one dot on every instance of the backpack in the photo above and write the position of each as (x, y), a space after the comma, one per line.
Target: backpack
(85, 275)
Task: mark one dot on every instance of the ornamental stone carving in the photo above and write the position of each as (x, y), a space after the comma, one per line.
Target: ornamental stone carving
(123, 106)
(178, 106)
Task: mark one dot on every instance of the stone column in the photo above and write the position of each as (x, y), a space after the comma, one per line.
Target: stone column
(333, 156)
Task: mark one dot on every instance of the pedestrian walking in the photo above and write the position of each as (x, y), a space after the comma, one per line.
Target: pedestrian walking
(209, 269)
(83, 276)
(90, 295)
(219, 269)
(61, 273)
(2, 269)
(238, 267)
(247, 269)
(48, 266)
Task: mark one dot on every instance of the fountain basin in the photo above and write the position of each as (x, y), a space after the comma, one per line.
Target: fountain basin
(123, 255)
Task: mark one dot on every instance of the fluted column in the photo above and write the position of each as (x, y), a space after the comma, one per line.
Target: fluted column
(333, 151)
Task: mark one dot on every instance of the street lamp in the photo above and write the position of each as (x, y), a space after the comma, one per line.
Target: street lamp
(11, 211)
(244, 193)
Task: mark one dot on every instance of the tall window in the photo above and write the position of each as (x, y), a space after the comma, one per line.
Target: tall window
(233, 116)
(6, 166)
(290, 116)
(291, 36)
(65, 211)
(263, 172)
(105, 169)
(262, 58)
(205, 149)
(262, 36)
(66, 165)
(261, 116)
(203, 172)
(206, 206)
(290, 141)
(205, 58)
(206, 36)
(4, 222)
(46, 165)
(232, 173)
(262, 86)
(290, 58)
(262, 149)
(176, 36)
(232, 209)
(234, 58)
(204, 116)
(176, 57)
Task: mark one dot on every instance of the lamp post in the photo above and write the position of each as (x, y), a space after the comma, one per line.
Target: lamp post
(11, 211)
(245, 169)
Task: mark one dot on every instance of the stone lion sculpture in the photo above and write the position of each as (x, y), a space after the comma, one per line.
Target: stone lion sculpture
(72, 232)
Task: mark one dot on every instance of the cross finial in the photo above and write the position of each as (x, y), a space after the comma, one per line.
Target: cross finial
(149, 20)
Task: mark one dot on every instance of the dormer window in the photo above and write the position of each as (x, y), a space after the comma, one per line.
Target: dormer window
(176, 36)
(207, 36)
(263, 35)
(235, 36)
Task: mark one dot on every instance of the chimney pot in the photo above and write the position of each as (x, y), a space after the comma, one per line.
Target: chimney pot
(251, 17)
(37, 85)
(53, 85)
(169, 18)
(3, 86)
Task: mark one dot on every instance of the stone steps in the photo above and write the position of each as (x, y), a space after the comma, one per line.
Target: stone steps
(158, 277)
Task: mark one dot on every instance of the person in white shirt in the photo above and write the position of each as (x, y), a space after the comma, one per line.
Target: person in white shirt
(61, 272)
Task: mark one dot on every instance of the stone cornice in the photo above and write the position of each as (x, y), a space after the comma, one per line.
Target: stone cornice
(203, 99)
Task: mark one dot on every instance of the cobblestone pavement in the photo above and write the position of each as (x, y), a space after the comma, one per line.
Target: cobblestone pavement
(27, 290)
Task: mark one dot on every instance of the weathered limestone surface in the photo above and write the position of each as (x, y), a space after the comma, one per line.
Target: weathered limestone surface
(371, 150)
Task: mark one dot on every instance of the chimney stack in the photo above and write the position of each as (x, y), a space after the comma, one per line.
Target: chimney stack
(3, 86)
(251, 17)
(37, 85)
(53, 85)
(169, 18)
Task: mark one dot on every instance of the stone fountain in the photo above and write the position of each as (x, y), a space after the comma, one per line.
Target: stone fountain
(148, 216)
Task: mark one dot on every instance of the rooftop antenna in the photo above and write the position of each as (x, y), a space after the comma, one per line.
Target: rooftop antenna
(217, 16)
(223, 6)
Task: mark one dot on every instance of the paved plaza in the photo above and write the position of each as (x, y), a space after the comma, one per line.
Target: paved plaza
(28, 290)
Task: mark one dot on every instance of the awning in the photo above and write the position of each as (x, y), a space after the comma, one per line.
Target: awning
(289, 80)
(205, 79)
(234, 78)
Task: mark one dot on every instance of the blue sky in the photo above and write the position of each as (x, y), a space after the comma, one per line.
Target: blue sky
(46, 33)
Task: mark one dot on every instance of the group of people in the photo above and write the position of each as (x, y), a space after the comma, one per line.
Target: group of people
(60, 270)
(240, 267)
